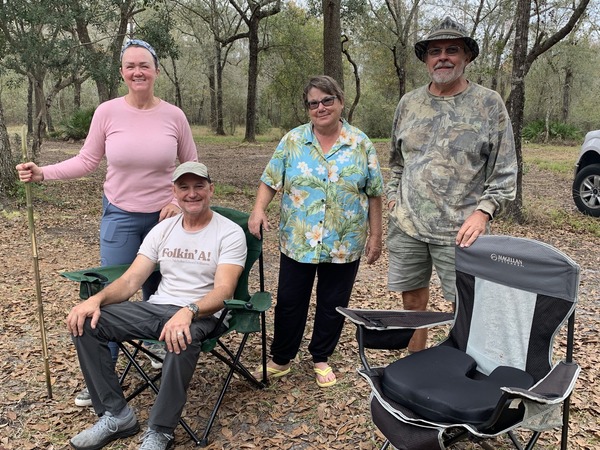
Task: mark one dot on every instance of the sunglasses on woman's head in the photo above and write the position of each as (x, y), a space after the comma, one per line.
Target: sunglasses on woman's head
(327, 101)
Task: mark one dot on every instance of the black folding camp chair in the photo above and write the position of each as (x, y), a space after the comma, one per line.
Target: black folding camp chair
(246, 314)
(495, 372)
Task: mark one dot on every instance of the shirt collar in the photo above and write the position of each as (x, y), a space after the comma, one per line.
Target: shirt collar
(309, 135)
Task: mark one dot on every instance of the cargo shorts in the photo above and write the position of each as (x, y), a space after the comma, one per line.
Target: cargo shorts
(411, 263)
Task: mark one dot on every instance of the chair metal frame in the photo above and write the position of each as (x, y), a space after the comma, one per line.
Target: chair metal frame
(373, 326)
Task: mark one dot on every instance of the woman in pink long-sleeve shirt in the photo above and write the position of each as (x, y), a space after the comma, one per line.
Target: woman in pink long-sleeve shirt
(141, 137)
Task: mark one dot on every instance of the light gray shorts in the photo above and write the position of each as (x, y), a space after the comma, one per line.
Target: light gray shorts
(411, 263)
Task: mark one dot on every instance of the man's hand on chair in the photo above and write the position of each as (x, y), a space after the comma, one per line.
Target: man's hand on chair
(176, 332)
(80, 312)
(473, 227)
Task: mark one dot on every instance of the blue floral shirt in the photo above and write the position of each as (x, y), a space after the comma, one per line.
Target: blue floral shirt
(324, 205)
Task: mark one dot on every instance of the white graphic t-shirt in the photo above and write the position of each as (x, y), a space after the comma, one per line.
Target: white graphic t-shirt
(188, 260)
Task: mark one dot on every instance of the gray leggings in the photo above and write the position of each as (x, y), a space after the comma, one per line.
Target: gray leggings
(138, 320)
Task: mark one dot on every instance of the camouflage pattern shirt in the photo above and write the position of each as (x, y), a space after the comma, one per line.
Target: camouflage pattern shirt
(324, 205)
(449, 156)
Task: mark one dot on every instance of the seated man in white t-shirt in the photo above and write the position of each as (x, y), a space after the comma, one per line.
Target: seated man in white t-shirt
(201, 255)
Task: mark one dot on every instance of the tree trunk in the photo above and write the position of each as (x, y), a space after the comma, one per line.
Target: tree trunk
(178, 97)
(332, 41)
(220, 130)
(547, 125)
(253, 23)
(8, 174)
(212, 87)
(404, 25)
(516, 102)
(39, 116)
(107, 82)
(49, 121)
(356, 79)
(400, 58)
(77, 95)
(253, 49)
(566, 99)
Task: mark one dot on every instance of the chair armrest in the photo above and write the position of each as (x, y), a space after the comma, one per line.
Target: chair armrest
(259, 302)
(389, 329)
(553, 388)
(245, 316)
(384, 320)
(93, 280)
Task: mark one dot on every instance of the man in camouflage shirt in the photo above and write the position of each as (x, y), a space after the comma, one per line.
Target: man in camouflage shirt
(453, 167)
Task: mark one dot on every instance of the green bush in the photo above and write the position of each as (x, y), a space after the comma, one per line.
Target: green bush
(533, 131)
(375, 118)
(558, 131)
(263, 125)
(565, 132)
(78, 125)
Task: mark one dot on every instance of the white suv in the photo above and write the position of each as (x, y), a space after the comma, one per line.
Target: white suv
(586, 186)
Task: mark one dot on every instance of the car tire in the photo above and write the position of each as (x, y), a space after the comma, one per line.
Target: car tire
(586, 190)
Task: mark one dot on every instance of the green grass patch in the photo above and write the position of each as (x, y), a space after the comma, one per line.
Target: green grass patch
(386, 140)
(227, 190)
(558, 218)
(224, 189)
(562, 167)
(11, 215)
(578, 222)
(204, 135)
(558, 159)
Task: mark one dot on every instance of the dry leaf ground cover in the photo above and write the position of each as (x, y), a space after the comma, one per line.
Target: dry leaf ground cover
(292, 413)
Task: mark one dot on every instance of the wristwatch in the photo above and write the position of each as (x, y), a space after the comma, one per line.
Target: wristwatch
(194, 309)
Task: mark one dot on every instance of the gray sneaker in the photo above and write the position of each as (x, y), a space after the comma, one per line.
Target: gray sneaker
(83, 398)
(154, 440)
(107, 429)
(159, 349)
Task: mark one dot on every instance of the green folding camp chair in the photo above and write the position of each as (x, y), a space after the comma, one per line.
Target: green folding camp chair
(246, 312)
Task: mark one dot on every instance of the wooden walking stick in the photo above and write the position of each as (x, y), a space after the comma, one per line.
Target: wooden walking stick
(36, 267)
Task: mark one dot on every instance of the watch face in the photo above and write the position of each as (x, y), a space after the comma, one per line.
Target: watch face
(193, 308)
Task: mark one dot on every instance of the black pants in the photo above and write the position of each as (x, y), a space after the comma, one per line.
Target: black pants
(334, 286)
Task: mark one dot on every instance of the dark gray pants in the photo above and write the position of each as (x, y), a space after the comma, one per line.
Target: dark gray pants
(138, 320)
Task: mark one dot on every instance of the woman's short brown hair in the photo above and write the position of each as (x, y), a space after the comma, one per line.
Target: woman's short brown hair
(323, 83)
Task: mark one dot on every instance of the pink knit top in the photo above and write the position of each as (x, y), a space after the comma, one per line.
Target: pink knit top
(141, 148)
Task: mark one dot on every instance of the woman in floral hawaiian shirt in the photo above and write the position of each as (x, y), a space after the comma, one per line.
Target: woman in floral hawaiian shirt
(331, 185)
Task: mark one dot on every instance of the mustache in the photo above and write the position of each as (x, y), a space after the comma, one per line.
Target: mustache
(444, 64)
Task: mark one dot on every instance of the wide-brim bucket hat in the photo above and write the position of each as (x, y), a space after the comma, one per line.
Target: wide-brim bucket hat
(447, 29)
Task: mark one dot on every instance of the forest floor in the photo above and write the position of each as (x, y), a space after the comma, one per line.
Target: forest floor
(292, 413)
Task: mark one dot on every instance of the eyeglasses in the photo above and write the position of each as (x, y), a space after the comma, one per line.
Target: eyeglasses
(450, 51)
(327, 101)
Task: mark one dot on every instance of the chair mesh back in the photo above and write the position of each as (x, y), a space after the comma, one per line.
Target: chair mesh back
(242, 291)
(513, 296)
